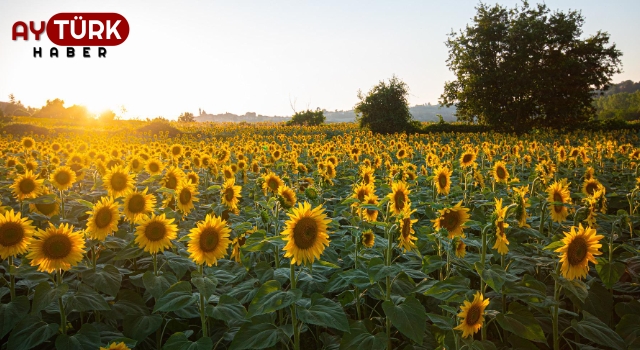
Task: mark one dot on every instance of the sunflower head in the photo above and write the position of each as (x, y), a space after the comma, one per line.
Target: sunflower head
(452, 219)
(116, 346)
(467, 159)
(103, 219)
(370, 214)
(27, 185)
(209, 240)
(368, 238)
(500, 172)
(558, 192)
(154, 233)
(286, 196)
(579, 248)
(272, 183)
(138, 204)
(118, 181)
(407, 233)
(154, 167)
(56, 248)
(461, 248)
(472, 315)
(15, 234)
(172, 178)
(442, 180)
(28, 143)
(306, 234)
(360, 192)
(591, 186)
(186, 193)
(399, 197)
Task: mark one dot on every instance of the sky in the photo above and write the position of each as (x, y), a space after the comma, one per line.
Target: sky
(268, 57)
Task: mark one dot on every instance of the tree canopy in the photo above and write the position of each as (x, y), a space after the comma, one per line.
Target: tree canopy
(307, 117)
(385, 109)
(186, 117)
(528, 66)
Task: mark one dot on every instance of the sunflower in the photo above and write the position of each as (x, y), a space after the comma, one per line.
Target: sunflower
(46, 209)
(579, 248)
(154, 233)
(28, 143)
(116, 346)
(442, 179)
(103, 219)
(407, 233)
(591, 186)
(368, 239)
(467, 159)
(558, 192)
(56, 248)
(136, 164)
(138, 204)
(399, 197)
(472, 315)
(272, 183)
(118, 181)
(186, 193)
(154, 167)
(172, 178)
(15, 234)
(228, 172)
(193, 177)
(238, 242)
(27, 185)
(522, 205)
(461, 249)
(209, 240)
(360, 192)
(287, 196)
(306, 234)
(500, 172)
(230, 194)
(452, 219)
(176, 150)
(370, 214)
(368, 176)
(501, 235)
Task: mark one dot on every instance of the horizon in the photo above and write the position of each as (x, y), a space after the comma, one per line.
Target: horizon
(263, 58)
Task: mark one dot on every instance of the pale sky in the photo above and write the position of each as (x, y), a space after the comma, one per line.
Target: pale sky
(257, 56)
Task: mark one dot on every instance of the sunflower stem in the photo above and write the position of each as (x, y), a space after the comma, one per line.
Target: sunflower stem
(556, 294)
(155, 264)
(93, 257)
(203, 316)
(388, 284)
(62, 205)
(12, 279)
(294, 317)
(482, 264)
(63, 315)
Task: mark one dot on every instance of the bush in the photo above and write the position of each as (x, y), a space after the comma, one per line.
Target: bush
(307, 117)
(385, 109)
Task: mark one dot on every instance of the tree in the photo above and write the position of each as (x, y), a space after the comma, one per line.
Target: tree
(107, 116)
(53, 109)
(525, 67)
(385, 108)
(307, 117)
(186, 117)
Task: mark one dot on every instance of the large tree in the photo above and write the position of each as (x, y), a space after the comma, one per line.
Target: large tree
(385, 109)
(528, 66)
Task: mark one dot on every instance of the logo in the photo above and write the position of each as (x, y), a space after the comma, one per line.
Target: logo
(84, 29)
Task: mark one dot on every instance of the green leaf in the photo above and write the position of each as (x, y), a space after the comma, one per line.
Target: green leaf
(86, 204)
(88, 337)
(270, 298)
(179, 341)
(442, 322)
(520, 321)
(342, 280)
(432, 263)
(12, 313)
(378, 271)
(410, 318)
(554, 245)
(44, 295)
(451, 289)
(138, 327)
(155, 285)
(86, 299)
(324, 312)
(494, 277)
(575, 287)
(595, 330)
(361, 338)
(229, 308)
(609, 273)
(206, 286)
(629, 325)
(30, 332)
(106, 279)
(178, 296)
(44, 199)
(256, 336)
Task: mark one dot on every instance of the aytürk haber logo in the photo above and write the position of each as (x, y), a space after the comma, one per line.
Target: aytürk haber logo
(76, 29)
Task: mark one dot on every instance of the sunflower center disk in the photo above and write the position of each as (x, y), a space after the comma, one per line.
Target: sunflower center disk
(27, 186)
(305, 233)
(154, 167)
(473, 315)
(406, 227)
(273, 184)
(136, 204)
(62, 178)
(172, 182)
(591, 188)
(11, 233)
(57, 247)
(500, 171)
(398, 198)
(103, 217)
(229, 194)
(185, 196)
(450, 220)
(119, 182)
(442, 181)
(466, 158)
(209, 239)
(155, 231)
(557, 197)
(577, 251)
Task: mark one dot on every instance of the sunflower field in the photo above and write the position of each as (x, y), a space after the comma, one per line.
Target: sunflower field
(265, 236)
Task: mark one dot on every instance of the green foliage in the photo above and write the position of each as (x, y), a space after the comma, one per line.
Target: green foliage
(385, 109)
(308, 117)
(623, 106)
(527, 67)
(107, 116)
